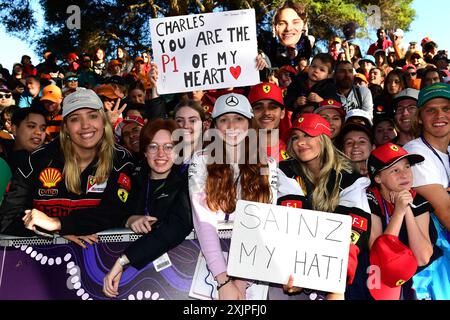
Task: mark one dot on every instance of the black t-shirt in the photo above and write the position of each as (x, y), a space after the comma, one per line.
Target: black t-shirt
(376, 208)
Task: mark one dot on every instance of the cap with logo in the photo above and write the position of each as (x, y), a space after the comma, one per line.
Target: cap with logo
(51, 93)
(436, 90)
(266, 91)
(312, 124)
(397, 264)
(389, 154)
(330, 104)
(232, 103)
(79, 99)
(126, 121)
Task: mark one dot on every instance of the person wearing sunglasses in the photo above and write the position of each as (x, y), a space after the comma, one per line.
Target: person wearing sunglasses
(411, 76)
(163, 208)
(6, 98)
(70, 83)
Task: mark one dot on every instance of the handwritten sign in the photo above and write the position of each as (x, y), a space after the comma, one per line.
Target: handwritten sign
(205, 51)
(271, 242)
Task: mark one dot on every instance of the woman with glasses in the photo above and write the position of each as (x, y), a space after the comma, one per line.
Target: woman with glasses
(163, 204)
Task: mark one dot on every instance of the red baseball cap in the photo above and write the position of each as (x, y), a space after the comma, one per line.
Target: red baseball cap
(72, 56)
(312, 124)
(331, 104)
(397, 265)
(266, 91)
(409, 66)
(387, 155)
(126, 121)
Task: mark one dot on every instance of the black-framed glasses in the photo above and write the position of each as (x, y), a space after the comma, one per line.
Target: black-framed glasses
(153, 148)
(5, 96)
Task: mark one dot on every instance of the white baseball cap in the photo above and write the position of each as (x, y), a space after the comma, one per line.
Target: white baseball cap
(81, 98)
(399, 33)
(232, 103)
(359, 113)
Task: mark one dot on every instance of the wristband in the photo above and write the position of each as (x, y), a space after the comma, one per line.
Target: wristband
(122, 261)
(220, 285)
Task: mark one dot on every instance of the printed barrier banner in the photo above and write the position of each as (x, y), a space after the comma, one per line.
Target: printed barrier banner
(38, 269)
(205, 51)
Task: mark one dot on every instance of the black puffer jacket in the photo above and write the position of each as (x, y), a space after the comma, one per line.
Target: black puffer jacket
(167, 200)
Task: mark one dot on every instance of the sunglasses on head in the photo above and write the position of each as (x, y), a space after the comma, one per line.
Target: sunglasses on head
(5, 95)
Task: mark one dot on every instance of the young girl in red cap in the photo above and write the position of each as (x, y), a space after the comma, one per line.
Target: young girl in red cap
(396, 209)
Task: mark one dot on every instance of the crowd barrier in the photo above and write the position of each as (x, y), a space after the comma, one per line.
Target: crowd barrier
(41, 268)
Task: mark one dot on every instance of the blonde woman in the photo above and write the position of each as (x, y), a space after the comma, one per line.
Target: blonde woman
(323, 179)
(78, 184)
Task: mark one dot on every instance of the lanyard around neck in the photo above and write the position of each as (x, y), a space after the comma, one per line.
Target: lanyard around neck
(436, 154)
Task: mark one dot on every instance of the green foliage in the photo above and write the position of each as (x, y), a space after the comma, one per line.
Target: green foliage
(109, 23)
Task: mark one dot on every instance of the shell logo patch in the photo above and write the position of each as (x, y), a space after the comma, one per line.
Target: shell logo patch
(394, 148)
(123, 195)
(50, 177)
(330, 102)
(266, 89)
(300, 120)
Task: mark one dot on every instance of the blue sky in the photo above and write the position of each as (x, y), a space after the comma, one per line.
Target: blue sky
(431, 16)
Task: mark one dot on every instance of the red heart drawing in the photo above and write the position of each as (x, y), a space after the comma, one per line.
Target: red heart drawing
(235, 72)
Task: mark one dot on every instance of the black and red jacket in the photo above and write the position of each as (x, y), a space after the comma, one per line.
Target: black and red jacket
(290, 174)
(39, 183)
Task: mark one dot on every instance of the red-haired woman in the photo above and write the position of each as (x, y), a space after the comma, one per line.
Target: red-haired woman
(216, 185)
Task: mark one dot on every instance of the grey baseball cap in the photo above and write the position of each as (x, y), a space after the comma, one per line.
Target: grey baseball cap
(232, 103)
(81, 98)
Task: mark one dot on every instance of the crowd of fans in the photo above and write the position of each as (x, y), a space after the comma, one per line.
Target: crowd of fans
(345, 132)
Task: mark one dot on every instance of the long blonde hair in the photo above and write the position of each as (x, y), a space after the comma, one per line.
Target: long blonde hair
(105, 154)
(330, 159)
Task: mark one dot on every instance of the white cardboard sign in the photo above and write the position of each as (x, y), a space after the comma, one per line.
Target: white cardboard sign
(271, 242)
(205, 51)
